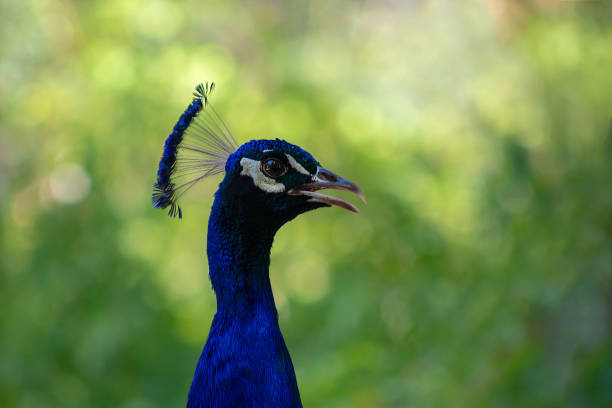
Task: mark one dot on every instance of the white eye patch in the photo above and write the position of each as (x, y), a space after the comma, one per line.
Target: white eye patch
(252, 168)
(297, 165)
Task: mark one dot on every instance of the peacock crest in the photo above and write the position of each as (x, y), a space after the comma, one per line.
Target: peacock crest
(197, 147)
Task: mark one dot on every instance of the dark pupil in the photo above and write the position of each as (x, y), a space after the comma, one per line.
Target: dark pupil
(274, 168)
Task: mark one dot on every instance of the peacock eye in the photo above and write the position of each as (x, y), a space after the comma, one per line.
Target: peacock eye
(273, 168)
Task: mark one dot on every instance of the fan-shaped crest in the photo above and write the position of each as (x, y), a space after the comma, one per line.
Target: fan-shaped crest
(198, 147)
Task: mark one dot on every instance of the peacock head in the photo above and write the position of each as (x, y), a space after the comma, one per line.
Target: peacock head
(282, 179)
(276, 178)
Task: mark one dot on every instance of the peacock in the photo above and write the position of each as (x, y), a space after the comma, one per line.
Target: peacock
(245, 361)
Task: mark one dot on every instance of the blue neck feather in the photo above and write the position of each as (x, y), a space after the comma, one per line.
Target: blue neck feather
(245, 362)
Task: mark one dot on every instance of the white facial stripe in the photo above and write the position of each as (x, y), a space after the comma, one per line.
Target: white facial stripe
(252, 168)
(316, 176)
(297, 165)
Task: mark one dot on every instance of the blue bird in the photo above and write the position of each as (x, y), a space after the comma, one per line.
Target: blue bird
(245, 362)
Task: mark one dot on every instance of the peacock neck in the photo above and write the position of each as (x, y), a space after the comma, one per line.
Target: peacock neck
(245, 362)
(239, 244)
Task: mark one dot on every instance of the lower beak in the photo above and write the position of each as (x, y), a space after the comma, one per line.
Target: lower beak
(325, 179)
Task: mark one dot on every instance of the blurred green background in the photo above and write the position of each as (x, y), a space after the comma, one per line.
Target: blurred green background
(478, 274)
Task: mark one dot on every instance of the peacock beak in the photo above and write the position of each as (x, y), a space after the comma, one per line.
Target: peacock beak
(325, 179)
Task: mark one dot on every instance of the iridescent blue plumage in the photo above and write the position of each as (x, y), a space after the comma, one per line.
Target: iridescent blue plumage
(245, 362)
(164, 189)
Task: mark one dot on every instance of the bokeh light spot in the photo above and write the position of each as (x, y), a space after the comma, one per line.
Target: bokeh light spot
(70, 183)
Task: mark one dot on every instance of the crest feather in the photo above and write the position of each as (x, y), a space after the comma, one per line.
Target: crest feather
(198, 147)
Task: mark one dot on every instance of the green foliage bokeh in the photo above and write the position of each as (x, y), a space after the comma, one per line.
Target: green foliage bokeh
(478, 274)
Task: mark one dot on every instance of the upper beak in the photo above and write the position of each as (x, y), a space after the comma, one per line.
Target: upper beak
(325, 179)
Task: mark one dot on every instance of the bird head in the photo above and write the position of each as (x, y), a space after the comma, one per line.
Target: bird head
(282, 179)
(273, 177)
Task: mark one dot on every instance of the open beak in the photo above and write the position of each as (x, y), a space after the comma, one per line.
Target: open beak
(325, 179)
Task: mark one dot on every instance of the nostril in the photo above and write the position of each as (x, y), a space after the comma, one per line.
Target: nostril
(327, 175)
